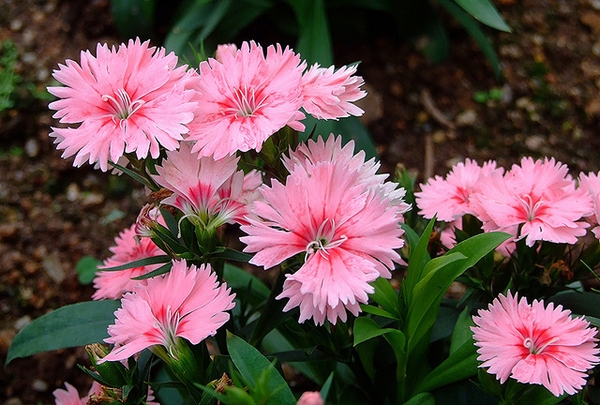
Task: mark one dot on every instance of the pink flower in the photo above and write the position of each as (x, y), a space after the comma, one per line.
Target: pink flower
(70, 396)
(245, 97)
(186, 303)
(536, 200)
(591, 183)
(310, 398)
(133, 99)
(450, 198)
(97, 394)
(329, 94)
(128, 248)
(209, 192)
(535, 345)
(346, 227)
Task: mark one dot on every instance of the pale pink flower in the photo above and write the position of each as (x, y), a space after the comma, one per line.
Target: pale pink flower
(188, 303)
(591, 183)
(329, 94)
(311, 153)
(70, 396)
(534, 344)
(131, 100)
(225, 49)
(128, 248)
(209, 192)
(534, 200)
(346, 228)
(311, 398)
(245, 97)
(450, 198)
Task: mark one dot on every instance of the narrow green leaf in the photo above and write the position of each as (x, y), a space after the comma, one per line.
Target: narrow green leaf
(139, 263)
(424, 398)
(158, 272)
(418, 258)
(237, 278)
(462, 331)
(134, 18)
(386, 297)
(314, 42)
(366, 329)
(252, 364)
(373, 310)
(460, 365)
(70, 326)
(484, 12)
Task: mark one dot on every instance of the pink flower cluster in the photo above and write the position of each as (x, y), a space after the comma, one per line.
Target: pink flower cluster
(535, 200)
(135, 100)
(340, 216)
(534, 344)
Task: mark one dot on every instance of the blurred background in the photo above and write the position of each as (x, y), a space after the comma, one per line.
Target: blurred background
(447, 80)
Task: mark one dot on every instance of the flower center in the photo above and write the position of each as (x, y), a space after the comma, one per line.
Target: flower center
(245, 102)
(531, 209)
(168, 326)
(530, 345)
(324, 240)
(121, 104)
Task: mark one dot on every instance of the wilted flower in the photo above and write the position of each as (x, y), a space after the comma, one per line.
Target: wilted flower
(188, 303)
(128, 248)
(535, 344)
(130, 100)
(345, 225)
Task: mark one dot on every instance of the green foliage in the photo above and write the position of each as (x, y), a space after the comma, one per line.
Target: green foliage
(69, 326)
(8, 77)
(86, 269)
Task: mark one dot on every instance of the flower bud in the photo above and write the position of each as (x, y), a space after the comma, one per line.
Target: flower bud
(311, 398)
(112, 372)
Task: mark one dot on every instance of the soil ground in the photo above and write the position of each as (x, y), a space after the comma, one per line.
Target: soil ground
(424, 116)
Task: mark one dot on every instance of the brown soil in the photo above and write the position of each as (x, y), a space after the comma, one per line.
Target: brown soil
(421, 115)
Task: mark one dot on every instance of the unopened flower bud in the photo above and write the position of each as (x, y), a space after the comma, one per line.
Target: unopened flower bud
(310, 398)
(112, 372)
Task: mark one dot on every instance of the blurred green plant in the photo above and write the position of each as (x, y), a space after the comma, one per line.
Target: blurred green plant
(8, 77)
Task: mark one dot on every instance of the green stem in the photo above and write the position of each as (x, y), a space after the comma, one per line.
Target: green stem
(264, 323)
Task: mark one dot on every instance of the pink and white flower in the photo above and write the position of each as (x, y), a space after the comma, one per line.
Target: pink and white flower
(131, 100)
(449, 198)
(591, 183)
(329, 94)
(209, 192)
(345, 225)
(534, 344)
(128, 248)
(245, 97)
(188, 302)
(536, 200)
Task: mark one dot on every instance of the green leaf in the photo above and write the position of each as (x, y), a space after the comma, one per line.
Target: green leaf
(424, 398)
(418, 258)
(238, 279)
(165, 268)
(252, 364)
(484, 12)
(134, 18)
(386, 297)
(581, 303)
(462, 331)
(373, 310)
(314, 42)
(460, 365)
(474, 30)
(139, 263)
(86, 269)
(70, 326)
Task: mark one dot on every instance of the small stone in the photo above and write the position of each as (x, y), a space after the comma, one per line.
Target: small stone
(592, 20)
(466, 118)
(32, 147)
(22, 322)
(535, 142)
(13, 401)
(438, 137)
(592, 108)
(372, 105)
(72, 192)
(589, 68)
(39, 385)
(53, 267)
(92, 199)
(16, 25)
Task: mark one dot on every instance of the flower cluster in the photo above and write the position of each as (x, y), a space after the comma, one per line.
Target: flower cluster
(536, 200)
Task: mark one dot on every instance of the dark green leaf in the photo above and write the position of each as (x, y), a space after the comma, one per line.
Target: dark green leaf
(386, 297)
(314, 42)
(252, 364)
(484, 12)
(70, 326)
(134, 18)
(139, 263)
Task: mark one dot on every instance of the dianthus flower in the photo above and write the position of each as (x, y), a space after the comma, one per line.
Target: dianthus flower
(329, 94)
(346, 228)
(128, 248)
(187, 302)
(96, 394)
(130, 100)
(245, 97)
(534, 200)
(534, 344)
(209, 192)
(591, 183)
(449, 198)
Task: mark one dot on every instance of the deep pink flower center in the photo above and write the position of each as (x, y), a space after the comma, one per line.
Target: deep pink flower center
(531, 209)
(121, 105)
(245, 102)
(538, 345)
(167, 321)
(324, 239)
